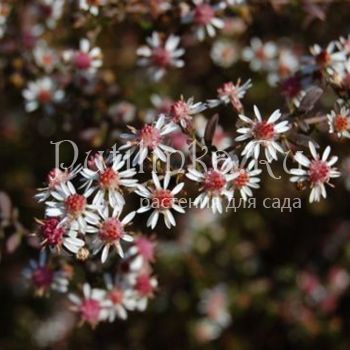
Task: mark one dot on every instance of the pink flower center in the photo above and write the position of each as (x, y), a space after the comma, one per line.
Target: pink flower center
(75, 204)
(242, 180)
(111, 230)
(162, 199)
(340, 123)
(42, 277)
(116, 296)
(109, 178)
(150, 136)
(145, 248)
(161, 57)
(90, 311)
(318, 171)
(203, 14)
(82, 60)
(51, 233)
(179, 110)
(226, 89)
(264, 131)
(143, 285)
(44, 96)
(214, 181)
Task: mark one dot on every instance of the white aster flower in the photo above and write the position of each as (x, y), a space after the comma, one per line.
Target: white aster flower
(87, 59)
(44, 278)
(231, 93)
(45, 57)
(246, 179)
(339, 122)
(110, 230)
(122, 298)
(327, 57)
(224, 53)
(160, 55)
(262, 133)
(205, 19)
(318, 172)
(71, 207)
(51, 10)
(182, 112)
(92, 307)
(161, 199)
(150, 140)
(42, 92)
(259, 54)
(108, 180)
(214, 183)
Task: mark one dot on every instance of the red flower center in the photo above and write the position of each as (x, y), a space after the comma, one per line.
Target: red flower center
(150, 136)
(242, 180)
(143, 285)
(82, 60)
(203, 14)
(162, 199)
(161, 57)
(318, 171)
(42, 277)
(214, 181)
(323, 58)
(51, 233)
(264, 131)
(109, 178)
(111, 230)
(116, 296)
(44, 96)
(90, 311)
(75, 204)
(340, 123)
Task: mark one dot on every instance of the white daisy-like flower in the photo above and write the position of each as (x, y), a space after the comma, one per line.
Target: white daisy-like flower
(144, 284)
(108, 180)
(224, 53)
(42, 92)
(91, 5)
(87, 59)
(92, 307)
(262, 133)
(259, 54)
(52, 11)
(45, 57)
(329, 56)
(43, 277)
(205, 20)
(56, 235)
(161, 199)
(181, 111)
(160, 55)
(122, 298)
(110, 230)
(339, 122)
(214, 183)
(150, 139)
(71, 207)
(231, 93)
(246, 179)
(318, 172)
(54, 178)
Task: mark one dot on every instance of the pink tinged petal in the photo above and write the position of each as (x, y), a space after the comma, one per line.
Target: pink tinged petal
(128, 218)
(300, 158)
(326, 153)
(156, 180)
(153, 219)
